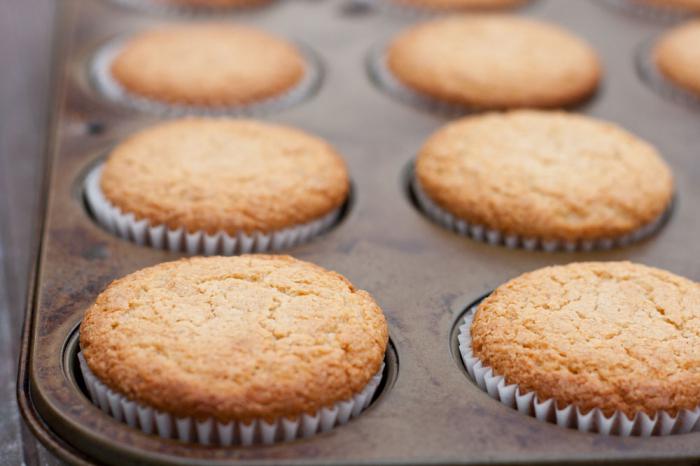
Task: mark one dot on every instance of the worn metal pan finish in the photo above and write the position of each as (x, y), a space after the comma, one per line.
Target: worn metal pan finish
(422, 275)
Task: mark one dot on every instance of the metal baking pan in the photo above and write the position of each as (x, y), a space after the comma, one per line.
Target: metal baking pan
(423, 276)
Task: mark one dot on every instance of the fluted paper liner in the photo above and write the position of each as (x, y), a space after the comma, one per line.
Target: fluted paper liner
(495, 237)
(212, 432)
(643, 425)
(107, 85)
(159, 236)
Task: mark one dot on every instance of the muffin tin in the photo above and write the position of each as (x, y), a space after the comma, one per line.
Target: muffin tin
(424, 276)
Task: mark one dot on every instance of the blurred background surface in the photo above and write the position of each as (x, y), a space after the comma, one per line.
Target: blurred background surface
(25, 60)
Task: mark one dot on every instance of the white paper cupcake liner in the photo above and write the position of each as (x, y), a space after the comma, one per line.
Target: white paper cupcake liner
(662, 423)
(211, 432)
(654, 79)
(385, 80)
(648, 11)
(495, 237)
(142, 232)
(110, 88)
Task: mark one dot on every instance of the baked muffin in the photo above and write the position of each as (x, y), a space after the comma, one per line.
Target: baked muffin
(219, 185)
(249, 340)
(615, 337)
(677, 56)
(494, 61)
(547, 177)
(207, 65)
(461, 4)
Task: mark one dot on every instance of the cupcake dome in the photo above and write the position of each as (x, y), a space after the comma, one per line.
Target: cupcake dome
(546, 175)
(234, 339)
(494, 61)
(616, 336)
(212, 65)
(224, 175)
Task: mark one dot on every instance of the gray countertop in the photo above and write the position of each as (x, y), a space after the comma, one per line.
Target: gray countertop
(25, 43)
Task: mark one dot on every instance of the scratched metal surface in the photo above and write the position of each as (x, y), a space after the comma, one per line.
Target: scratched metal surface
(422, 275)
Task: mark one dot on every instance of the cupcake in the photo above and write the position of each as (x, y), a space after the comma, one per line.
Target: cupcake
(219, 186)
(460, 4)
(549, 179)
(200, 65)
(608, 347)
(494, 61)
(233, 350)
(677, 56)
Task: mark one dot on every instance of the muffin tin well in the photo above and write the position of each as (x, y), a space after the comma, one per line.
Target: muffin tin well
(104, 84)
(652, 76)
(527, 403)
(422, 275)
(141, 233)
(480, 233)
(73, 373)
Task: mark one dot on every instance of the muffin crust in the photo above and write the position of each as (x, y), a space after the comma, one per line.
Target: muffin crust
(235, 338)
(227, 175)
(677, 56)
(609, 335)
(495, 61)
(544, 174)
(208, 65)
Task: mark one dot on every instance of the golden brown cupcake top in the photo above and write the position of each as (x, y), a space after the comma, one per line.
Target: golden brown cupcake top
(461, 4)
(609, 335)
(545, 174)
(235, 338)
(207, 65)
(495, 61)
(677, 55)
(227, 175)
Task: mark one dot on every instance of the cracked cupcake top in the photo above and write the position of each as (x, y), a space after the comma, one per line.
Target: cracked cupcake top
(224, 174)
(235, 338)
(545, 174)
(609, 335)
